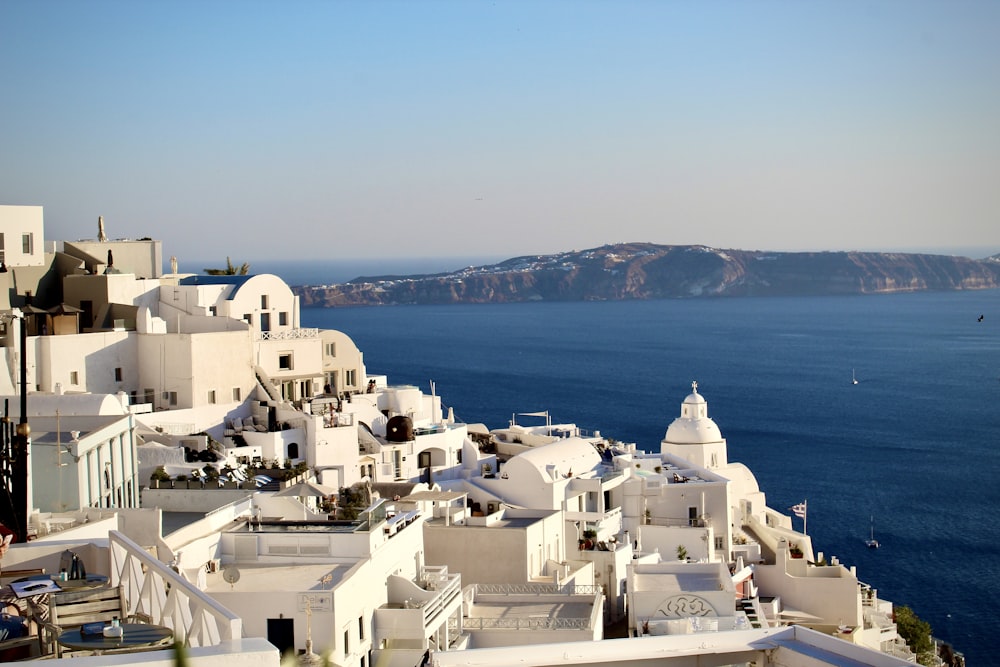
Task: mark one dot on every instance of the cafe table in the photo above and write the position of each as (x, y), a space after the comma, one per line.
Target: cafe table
(135, 636)
(91, 581)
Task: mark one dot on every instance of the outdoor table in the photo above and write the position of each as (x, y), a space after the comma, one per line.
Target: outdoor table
(134, 636)
(92, 581)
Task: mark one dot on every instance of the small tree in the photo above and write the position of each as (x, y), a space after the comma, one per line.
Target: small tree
(230, 270)
(916, 633)
(682, 553)
(159, 475)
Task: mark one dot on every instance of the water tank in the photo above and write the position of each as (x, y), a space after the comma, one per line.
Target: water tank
(399, 429)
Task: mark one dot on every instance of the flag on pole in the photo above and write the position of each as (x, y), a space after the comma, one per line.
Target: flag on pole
(799, 510)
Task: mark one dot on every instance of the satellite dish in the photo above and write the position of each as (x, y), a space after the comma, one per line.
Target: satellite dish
(231, 574)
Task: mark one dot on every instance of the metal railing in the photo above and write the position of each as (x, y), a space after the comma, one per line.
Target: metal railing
(494, 623)
(537, 589)
(154, 590)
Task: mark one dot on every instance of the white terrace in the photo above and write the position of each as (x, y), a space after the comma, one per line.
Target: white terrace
(212, 634)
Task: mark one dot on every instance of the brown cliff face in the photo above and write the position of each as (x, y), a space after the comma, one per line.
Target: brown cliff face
(648, 271)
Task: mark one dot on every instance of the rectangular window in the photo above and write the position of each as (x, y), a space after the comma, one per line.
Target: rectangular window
(2, 250)
(347, 641)
(28, 243)
(211, 396)
(248, 318)
(282, 319)
(719, 546)
(237, 394)
(331, 349)
(285, 361)
(74, 377)
(213, 311)
(172, 395)
(361, 628)
(350, 378)
(118, 375)
(263, 302)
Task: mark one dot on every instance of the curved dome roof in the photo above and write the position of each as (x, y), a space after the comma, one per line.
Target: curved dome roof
(565, 457)
(685, 431)
(694, 426)
(694, 398)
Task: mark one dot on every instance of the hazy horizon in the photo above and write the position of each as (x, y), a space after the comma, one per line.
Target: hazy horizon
(446, 128)
(339, 270)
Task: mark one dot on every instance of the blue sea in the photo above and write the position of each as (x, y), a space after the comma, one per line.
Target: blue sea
(913, 445)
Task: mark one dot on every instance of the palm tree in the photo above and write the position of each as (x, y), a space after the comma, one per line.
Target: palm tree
(230, 270)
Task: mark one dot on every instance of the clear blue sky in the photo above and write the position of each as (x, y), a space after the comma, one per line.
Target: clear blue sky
(271, 130)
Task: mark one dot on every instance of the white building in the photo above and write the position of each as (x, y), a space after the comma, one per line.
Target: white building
(21, 237)
(226, 358)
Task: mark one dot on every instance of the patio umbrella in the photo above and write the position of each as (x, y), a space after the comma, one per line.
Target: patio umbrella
(306, 490)
(303, 490)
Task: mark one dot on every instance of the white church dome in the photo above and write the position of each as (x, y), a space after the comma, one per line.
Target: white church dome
(694, 426)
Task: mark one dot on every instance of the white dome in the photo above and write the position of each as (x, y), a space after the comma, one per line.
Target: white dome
(695, 398)
(694, 426)
(685, 431)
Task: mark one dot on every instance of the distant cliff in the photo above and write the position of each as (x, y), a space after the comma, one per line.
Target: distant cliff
(648, 271)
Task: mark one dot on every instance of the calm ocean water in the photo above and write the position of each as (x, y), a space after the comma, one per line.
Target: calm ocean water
(914, 444)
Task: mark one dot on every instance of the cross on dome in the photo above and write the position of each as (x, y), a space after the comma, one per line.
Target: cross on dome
(694, 386)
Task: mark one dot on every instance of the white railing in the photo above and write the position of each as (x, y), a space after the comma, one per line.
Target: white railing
(536, 589)
(154, 590)
(496, 623)
(168, 428)
(449, 588)
(289, 334)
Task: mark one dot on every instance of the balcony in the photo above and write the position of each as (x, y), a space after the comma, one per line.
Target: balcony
(152, 589)
(421, 615)
(211, 633)
(499, 614)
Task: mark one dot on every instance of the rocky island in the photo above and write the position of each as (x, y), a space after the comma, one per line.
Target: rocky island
(651, 271)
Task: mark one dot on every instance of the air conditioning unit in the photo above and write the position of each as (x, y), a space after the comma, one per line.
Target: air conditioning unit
(213, 565)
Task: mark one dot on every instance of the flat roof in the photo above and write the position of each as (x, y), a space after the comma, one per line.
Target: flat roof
(494, 606)
(439, 496)
(675, 581)
(258, 578)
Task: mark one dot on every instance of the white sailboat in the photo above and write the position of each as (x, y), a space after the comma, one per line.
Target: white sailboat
(871, 542)
(854, 379)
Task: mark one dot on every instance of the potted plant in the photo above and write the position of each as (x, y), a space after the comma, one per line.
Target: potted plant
(211, 473)
(158, 475)
(682, 552)
(589, 535)
(794, 551)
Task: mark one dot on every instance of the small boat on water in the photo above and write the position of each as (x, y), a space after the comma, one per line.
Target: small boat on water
(871, 542)
(854, 379)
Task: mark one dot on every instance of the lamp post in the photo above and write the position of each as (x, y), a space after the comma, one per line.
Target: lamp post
(17, 444)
